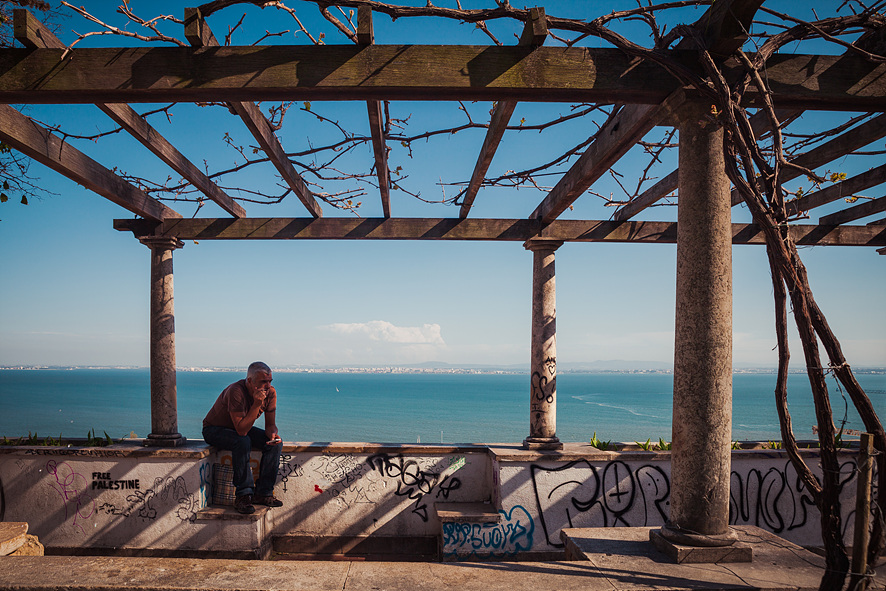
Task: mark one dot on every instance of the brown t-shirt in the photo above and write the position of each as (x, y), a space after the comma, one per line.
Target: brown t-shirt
(236, 399)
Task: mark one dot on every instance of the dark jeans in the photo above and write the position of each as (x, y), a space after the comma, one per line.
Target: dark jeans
(240, 446)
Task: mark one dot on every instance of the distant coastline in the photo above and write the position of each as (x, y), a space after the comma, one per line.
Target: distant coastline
(441, 368)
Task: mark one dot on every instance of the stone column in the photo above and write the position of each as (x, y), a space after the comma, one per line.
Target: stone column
(164, 409)
(702, 421)
(543, 363)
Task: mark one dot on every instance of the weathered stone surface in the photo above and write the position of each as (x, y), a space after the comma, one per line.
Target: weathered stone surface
(31, 547)
(12, 536)
(629, 561)
(681, 553)
(543, 386)
(702, 419)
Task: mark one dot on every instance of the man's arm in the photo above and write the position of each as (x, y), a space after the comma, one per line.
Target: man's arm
(243, 422)
(271, 419)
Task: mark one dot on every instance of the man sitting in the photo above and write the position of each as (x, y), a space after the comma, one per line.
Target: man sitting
(229, 425)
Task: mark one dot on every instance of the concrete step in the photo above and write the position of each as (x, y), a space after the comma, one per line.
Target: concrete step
(467, 513)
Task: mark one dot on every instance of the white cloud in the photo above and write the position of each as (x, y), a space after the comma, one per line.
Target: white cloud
(382, 331)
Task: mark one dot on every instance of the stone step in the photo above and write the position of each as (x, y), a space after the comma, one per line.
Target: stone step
(467, 513)
(228, 513)
(13, 534)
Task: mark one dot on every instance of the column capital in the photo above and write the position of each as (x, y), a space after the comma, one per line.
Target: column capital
(161, 242)
(540, 244)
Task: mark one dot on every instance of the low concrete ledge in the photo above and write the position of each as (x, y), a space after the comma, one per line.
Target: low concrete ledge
(127, 448)
(358, 447)
(225, 513)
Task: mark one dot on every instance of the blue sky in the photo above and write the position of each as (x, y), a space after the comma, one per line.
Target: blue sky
(75, 291)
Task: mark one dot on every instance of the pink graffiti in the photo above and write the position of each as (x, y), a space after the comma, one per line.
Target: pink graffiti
(73, 488)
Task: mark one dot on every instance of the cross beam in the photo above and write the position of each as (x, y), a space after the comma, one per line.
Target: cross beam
(406, 72)
(514, 230)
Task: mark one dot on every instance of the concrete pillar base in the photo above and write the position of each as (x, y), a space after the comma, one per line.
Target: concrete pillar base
(679, 535)
(542, 443)
(690, 553)
(165, 440)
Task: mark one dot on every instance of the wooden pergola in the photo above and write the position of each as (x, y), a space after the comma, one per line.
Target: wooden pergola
(47, 72)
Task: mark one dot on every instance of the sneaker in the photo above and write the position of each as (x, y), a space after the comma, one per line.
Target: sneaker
(243, 504)
(268, 501)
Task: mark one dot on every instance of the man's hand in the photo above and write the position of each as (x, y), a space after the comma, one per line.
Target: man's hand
(273, 437)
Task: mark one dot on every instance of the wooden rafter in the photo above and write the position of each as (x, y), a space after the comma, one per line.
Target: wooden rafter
(668, 184)
(534, 34)
(845, 143)
(200, 35)
(132, 122)
(620, 133)
(21, 133)
(649, 197)
(407, 72)
(365, 37)
(516, 230)
(30, 32)
(724, 27)
(843, 189)
(856, 212)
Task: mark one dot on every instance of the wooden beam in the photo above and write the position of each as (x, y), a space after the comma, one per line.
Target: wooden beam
(30, 32)
(649, 197)
(198, 32)
(856, 212)
(365, 37)
(19, 132)
(846, 143)
(668, 184)
(535, 31)
(498, 122)
(512, 230)
(615, 138)
(407, 72)
(724, 27)
(865, 180)
(132, 122)
(380, 152)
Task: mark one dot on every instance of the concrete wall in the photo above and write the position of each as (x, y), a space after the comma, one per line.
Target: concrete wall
(632, 489)
(128, 496)
(106, 497)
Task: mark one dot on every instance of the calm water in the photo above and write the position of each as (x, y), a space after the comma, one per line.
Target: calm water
(402, 407)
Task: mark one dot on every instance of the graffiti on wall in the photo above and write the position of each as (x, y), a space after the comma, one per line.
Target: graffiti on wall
(414, 481)
(205, 484)
(582, 494)
(351, 480)
(144, 503)
(513, 534)
(778, 500)
(287, 468)
(347, 479)
(74, 491)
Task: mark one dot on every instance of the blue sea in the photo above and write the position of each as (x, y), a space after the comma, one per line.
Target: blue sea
(405, 408)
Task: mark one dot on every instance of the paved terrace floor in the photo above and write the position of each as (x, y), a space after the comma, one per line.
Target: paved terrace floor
(622, 562)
